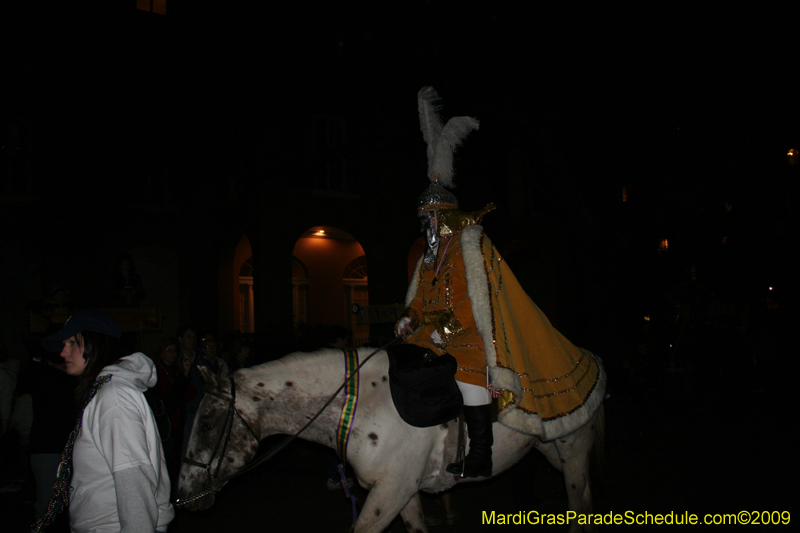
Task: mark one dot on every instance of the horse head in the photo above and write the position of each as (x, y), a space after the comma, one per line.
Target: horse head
(224, 438)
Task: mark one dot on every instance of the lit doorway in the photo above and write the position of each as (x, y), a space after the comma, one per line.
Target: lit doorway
(356, 294)
(329, 277)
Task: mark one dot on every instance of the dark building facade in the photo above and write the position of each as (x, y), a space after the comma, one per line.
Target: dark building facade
(204, 142)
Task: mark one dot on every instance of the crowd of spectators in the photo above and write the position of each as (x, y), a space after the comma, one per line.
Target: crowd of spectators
(37, 413)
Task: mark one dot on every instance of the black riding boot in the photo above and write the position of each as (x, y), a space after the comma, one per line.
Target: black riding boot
(479, 428)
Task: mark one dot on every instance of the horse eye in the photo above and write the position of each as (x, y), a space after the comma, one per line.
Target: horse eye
(207, 427)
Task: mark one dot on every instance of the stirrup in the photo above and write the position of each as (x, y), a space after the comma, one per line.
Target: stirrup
(464, 469)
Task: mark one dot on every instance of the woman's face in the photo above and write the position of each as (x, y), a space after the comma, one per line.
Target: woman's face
(72, 352)
(169, 354)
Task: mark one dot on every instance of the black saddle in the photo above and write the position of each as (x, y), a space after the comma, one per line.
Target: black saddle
(423, 385)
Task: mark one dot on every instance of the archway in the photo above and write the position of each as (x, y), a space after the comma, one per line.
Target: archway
(329, 276)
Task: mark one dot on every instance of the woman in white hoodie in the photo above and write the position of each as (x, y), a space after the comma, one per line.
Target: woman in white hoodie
(119, 479)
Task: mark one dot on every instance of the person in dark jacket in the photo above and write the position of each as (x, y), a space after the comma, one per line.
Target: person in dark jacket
(173, 392)
(53, 420)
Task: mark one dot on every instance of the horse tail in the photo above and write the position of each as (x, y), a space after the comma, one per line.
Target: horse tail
(598, 454)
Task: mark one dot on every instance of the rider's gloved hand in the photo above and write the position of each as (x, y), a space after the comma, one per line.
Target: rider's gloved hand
(404, 327)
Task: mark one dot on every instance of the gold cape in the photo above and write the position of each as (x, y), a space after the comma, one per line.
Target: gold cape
(549, 386)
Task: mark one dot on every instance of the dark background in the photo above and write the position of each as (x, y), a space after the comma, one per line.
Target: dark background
(125, 129)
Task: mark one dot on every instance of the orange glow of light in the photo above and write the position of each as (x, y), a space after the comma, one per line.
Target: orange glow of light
(153, 6)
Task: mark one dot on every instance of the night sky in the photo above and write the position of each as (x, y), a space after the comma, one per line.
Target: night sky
(204, 118)
(703, 92)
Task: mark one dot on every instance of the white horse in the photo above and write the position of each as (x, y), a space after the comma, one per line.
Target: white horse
(390, 458)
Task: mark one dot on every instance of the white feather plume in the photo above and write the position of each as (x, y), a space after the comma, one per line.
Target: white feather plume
(456, 129)
(442, 141)
(429, 121)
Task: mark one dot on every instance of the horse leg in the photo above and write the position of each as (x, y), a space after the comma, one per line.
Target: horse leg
(573, 452)
(384, 502)
(548, 449)
(412, 515)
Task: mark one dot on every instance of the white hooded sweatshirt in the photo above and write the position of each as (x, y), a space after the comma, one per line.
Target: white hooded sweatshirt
(120, 480)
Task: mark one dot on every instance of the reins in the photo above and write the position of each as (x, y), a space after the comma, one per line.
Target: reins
(225, 437)
(289, 439)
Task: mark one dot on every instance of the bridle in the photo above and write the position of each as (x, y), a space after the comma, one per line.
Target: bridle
(222, 442)
(226, 434)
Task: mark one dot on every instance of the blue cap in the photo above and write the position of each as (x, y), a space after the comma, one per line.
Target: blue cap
(87, 320)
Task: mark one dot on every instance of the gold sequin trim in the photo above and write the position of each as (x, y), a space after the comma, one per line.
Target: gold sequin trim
(551, 394)
(565, 376)
(471, 370)
(499, 274)
(547, 380)
(431, 303)
(580, 405)
(493, 303)
(448, 289)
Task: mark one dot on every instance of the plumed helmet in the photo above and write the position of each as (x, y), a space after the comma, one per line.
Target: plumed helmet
(442, 141)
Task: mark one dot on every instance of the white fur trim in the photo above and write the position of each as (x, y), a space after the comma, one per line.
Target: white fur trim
(478, 289)
(412, 286)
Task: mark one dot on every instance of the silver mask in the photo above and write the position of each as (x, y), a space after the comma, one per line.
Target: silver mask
(431, 228)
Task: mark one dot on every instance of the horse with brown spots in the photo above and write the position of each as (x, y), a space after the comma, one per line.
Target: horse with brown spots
(389, 457)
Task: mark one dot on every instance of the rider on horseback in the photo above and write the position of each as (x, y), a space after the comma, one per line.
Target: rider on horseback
(463, 300)
(441, 310)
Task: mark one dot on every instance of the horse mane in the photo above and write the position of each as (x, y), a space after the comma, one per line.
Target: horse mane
(308, 363)
(301, 358)
(304, 356)
(321, 352)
